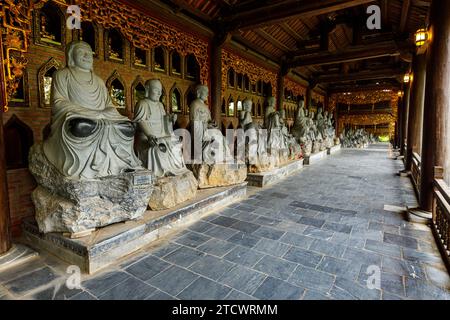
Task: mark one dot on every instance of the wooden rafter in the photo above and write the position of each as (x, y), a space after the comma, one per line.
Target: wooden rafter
(362, 75)
(405, 14)
(278, 12)
(269, 38)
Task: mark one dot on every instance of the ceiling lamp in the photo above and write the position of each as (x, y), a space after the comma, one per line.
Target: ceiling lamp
(421, 37)
(400, 93)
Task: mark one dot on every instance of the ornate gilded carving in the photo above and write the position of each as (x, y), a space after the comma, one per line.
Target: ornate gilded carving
(141, 30)
(16, 26)
(367, 97)
(246, 67)
(296, 88)
(317, 97)
(144, 31)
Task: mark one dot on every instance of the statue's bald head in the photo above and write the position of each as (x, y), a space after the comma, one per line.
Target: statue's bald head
(79, 54)
(202, 92)
(153, 89)
(247, 105)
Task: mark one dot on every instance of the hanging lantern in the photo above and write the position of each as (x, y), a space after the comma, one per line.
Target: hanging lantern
(407, 78)
(400, 93)
(421, 37)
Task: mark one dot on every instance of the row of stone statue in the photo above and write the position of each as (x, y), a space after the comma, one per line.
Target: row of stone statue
(91, 171)
(358, 138)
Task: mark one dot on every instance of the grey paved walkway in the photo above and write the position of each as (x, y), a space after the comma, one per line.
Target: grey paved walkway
(315, 235)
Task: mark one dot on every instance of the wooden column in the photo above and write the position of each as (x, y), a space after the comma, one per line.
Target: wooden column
(435, 142)
(399, 122)
(405, 112)
(308, 98)
(280, 85)
(5, 233)
(216, 76)
(415, 116)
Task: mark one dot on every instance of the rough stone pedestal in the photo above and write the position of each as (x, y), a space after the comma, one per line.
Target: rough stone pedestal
(219, 175)
(106, 246)
(263, 179)
(74, 206)
(315, 157)
(171, 191)
(334, 149)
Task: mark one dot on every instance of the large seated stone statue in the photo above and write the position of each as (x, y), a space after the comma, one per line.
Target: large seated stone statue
(213, 164)
(161, 151)
(87, 172)
(256, 156)
(276, 144)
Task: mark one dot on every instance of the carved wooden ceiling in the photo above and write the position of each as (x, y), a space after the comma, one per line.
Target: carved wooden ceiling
(324, 41)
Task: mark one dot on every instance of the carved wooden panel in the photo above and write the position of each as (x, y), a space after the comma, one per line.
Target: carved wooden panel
(246, 67)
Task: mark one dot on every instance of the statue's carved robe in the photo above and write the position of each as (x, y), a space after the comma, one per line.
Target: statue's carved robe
(165, 158)
(211, 140)
(107, 151)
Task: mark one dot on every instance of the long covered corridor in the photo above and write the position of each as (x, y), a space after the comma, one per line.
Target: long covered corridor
(323, 233)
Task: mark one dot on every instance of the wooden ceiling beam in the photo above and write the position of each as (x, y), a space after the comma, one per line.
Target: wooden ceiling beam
(356, 88)
(266, 36)
(405, 14)
(356, 53)
(360, 76)
(243, 42)
(274, 13)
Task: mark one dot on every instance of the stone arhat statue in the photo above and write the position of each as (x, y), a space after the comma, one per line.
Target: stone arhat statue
(87, 172)
(89, 138)
(213, 164)
(156, 145)
(161, 151)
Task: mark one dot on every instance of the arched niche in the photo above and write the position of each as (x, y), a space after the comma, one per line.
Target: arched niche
(163, 97)
(259, 87)
(175, 63)
(267, 89)
(117, 91)
(20, 97)
(89, 34)
(231, 78)
(192, 68)
(139, 57)
(230, 107)
(224, 107)
(246, 83)
(114, 46)
(159, 59)
(260, 109)
(45, 79)
(254, 108)
(239, 106)
(175, 100)
(253, 87)
(239, 81)
(190, 97)
(138, 91)
(18, 141)
(50, 25)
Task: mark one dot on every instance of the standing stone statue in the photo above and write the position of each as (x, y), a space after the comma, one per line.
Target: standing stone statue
(276, 145)
(295, 150)
(256, 156)
(301, 129)
(213, 164)
(87, 172)
(161, 151)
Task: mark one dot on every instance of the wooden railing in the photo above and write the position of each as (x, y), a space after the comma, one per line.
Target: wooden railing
(415, 171)
(441, 218)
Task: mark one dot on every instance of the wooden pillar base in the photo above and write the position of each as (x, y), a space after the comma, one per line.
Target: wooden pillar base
(417, 215)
